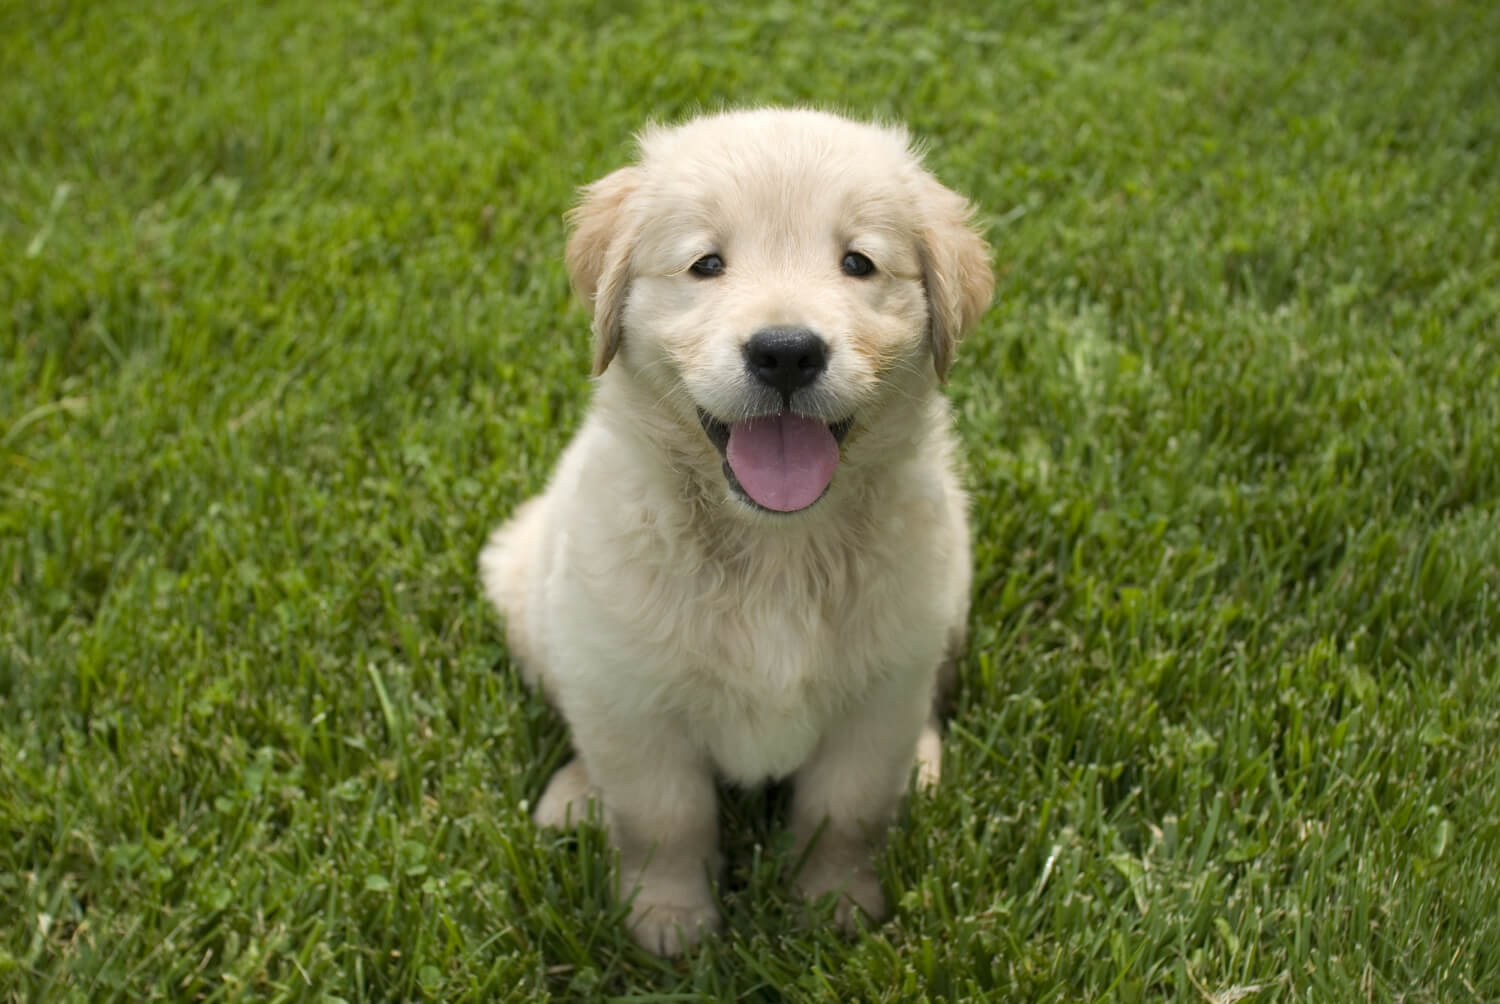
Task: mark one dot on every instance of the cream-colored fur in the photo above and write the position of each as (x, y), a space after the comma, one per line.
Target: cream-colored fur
(685, 634)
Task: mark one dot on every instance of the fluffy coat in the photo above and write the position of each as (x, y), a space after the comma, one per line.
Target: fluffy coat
(683, 631)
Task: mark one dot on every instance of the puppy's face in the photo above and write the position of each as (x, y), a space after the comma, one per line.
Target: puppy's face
(776, 278)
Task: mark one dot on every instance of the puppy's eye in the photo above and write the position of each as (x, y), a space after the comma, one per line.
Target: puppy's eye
(857, 265)
(707, 267)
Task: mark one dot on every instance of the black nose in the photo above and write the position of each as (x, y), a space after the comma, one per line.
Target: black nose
(786, 358)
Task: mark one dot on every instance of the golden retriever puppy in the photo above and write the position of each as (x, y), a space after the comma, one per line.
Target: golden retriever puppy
(753, 557)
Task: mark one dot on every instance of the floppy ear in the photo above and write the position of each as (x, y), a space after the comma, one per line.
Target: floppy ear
(598, 256)
(955, 269)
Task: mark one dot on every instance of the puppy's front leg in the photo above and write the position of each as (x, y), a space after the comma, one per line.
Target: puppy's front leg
(660, 807)
(846, 796)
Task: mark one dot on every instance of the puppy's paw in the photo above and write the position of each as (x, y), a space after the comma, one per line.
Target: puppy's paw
(565, 803)
(929, 758)
(858, 892)
(670, 929)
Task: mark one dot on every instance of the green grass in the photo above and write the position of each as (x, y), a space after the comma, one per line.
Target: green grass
(285, 331)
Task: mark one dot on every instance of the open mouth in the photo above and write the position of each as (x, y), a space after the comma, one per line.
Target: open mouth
(780, 463)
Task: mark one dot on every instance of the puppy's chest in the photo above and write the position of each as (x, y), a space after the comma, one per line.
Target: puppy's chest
(763, 691)
(774, 660)
(761, 652)
(780, 653)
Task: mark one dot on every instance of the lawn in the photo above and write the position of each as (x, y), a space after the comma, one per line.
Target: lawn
(284, 331)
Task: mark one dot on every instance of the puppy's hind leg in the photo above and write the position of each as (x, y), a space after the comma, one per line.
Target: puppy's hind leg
(929, 756)
(508, 566)
(930, 745)
(565, 803)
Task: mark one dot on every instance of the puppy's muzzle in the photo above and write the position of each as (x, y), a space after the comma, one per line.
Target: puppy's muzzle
(786, 359)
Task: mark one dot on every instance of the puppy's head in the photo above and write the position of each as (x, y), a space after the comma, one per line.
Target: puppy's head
(779, 280)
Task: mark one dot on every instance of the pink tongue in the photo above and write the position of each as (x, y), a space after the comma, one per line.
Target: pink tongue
(784, 462)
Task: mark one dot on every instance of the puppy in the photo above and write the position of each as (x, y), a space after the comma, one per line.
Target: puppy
(753, 557)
